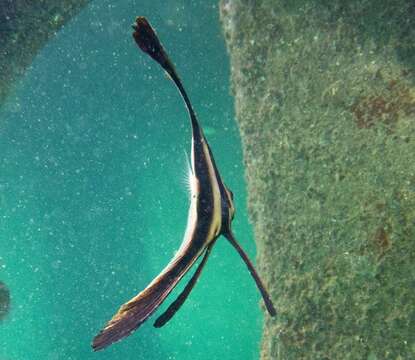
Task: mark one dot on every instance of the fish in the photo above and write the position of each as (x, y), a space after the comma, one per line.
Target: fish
(210, 215)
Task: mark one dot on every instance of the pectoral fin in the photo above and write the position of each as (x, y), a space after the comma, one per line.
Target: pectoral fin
(176, 304)
(267, 300)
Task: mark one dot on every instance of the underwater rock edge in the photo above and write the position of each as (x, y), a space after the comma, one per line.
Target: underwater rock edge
(325, 103)
(25, 27)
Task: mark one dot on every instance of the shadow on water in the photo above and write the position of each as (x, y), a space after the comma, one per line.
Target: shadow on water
(4, 300)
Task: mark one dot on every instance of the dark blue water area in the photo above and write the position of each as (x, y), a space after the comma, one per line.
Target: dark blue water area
(93, 198)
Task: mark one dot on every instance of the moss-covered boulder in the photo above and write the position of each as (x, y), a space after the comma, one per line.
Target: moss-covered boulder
(325, 102)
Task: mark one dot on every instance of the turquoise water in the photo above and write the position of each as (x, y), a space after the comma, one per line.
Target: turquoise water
(93, 200)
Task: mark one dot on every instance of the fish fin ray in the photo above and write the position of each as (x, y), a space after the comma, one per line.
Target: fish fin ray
(188, 175)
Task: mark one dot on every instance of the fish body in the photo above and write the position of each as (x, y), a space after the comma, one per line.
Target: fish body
(210, 215)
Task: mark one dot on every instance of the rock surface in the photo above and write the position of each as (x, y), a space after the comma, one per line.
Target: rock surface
(25, 27)
(325, 102)
(4, 300)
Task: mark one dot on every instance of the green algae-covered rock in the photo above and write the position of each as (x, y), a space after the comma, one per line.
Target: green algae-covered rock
(325, 101)
(25, 27)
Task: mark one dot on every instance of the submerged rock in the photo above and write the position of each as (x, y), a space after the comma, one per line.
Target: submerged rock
(25, 27)
(325, 102)
(4, 300)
